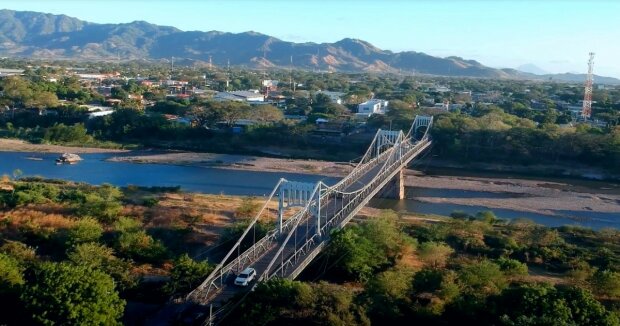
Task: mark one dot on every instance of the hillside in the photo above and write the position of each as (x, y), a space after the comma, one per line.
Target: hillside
(47, 36)
(31, 34)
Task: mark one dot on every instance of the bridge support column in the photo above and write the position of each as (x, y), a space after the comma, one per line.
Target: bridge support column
(395, 189)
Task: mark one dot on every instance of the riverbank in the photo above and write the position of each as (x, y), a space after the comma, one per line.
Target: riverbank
(17, 145)
(543, 197)
(568, 197)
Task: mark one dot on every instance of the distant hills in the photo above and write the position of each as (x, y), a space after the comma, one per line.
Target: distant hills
(47, 36)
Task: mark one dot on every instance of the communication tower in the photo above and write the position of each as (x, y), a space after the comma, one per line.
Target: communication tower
(586, 111)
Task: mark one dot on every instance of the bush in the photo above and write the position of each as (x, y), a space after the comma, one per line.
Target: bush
(248, 208)
(482, 278)
(139, 245)
(150, 201)
(84, 230)
(512, 267)
(127, 224)
(435, 254)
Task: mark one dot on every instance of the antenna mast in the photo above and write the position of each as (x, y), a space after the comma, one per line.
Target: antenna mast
(586, 111)
(290, 77)
(228, 73)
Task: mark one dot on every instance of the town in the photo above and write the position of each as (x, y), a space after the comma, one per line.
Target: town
(300, 163)
(303, 107)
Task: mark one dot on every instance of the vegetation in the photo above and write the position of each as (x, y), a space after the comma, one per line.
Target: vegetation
(73, 253)
(449, 277)
(468, 269)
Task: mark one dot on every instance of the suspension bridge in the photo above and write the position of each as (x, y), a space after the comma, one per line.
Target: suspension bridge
(313, 211)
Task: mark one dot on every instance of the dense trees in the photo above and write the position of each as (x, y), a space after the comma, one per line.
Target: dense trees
(72, 295)
(470, 285)
(498, 137)
(548, 305)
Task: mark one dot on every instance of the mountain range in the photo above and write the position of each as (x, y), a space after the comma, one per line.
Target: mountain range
(48, 36)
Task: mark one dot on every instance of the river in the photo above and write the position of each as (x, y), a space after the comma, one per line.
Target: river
(96, 170)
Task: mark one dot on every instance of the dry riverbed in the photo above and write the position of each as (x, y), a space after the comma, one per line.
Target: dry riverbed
(535, 196)
(241, 162)
(16, 145)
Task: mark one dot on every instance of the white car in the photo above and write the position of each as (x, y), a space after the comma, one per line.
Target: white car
(245, 277)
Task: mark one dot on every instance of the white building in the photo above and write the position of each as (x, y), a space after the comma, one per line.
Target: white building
(240, 96)
(370, 107)
(335, 97)
(10, 72)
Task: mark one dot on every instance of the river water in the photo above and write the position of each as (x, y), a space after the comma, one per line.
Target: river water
(96, 170)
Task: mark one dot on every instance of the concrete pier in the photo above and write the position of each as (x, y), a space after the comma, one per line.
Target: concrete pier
(395, 189)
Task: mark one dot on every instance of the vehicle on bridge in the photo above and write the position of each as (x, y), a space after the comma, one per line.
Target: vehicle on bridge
(245, 277)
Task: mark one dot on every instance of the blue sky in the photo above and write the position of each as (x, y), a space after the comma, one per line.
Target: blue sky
(554, 35)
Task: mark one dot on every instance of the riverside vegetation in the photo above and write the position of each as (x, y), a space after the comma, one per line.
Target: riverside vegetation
(62, 242)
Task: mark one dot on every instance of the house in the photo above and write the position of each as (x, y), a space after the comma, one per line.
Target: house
(270, 85)
(100, 113)
(370, 107)
(335, 97)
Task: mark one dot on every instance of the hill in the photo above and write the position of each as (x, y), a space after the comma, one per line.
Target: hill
(48, 36)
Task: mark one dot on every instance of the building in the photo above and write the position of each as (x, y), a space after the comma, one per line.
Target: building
(4, 72)
(335, 97)
(240, 96)
(370, 107)
(270, 85)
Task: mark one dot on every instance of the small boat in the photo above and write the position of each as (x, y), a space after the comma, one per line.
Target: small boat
(68, 158)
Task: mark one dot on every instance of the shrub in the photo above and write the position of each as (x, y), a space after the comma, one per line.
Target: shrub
(85, 230)
(512, 267)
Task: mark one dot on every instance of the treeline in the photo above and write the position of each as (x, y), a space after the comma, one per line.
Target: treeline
(498, 137)
(479, 271)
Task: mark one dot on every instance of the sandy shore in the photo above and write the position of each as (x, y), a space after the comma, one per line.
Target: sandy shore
(535, 196)
(16, 145)
(241, 162)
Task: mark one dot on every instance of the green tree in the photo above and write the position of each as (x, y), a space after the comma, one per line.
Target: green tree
(435, 254)
(266, 113)
(548, 305)
(15, 91)
(607, 283)
(138, 244)
(11, 273)
(388, 293)
(98, 256)
(186, 274)
(62, 293)
(483, 278)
